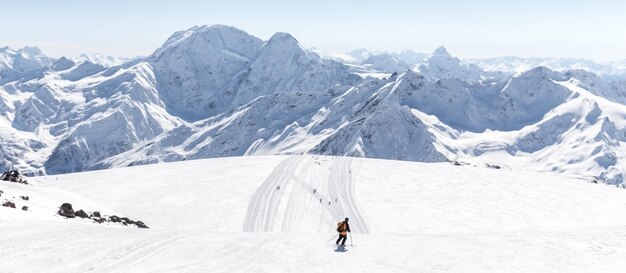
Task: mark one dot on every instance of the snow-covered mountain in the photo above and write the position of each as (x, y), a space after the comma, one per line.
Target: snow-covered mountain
(23, 59)
(214, 91)
(103, 60)
(441, 65)
(386, 63)
(405, 57)
(512, 65)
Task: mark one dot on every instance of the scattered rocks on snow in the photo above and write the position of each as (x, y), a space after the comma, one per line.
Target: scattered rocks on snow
(67, 211)
(459, 163)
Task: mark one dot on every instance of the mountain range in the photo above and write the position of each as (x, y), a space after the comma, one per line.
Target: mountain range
(217, 91)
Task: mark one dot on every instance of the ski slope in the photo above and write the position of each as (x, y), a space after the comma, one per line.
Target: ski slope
(225, 215)
(292, 191)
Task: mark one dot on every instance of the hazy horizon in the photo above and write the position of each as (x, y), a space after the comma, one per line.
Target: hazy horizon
(480, 29)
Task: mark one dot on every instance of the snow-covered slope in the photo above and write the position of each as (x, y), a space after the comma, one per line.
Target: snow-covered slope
(205, 215)
(214, 91)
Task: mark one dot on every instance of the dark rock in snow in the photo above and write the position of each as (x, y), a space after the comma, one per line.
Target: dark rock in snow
(13, 176)
(114, 219)
(96, 214)
(81, 214)
(66, 210)
(140, 224)
(25, 208)
(26, 198)
(126, 220)
(8, 204)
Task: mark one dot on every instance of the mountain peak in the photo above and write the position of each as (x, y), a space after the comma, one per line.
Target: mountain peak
(62, 64)
(31, 50)
(282, 37)
(215, 36)
(284, 42)
(539, 71)
(214, 27)
(441, 51)
(5, 49)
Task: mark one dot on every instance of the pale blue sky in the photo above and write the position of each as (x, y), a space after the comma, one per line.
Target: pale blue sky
(478, 28)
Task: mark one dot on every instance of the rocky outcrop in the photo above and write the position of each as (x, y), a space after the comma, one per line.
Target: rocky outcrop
(8, 204)
(81, 213)
(66, 210)
(13, 176)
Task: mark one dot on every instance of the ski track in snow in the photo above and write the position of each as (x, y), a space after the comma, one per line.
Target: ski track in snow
(300, 187)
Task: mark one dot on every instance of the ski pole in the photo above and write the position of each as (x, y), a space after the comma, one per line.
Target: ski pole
(331, 239)
(351, 243)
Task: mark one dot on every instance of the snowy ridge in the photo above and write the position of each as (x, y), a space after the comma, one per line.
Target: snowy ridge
(215, 91)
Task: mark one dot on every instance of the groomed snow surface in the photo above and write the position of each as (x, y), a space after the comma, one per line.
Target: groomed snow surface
(261, 214)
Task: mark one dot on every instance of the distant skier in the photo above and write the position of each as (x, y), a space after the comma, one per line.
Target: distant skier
(277, 188)
(320, 200)
(343, 228)
(314, 191)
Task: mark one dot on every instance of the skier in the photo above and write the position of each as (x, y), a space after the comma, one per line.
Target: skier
(343, 228)
(277, 188)
(314, 191)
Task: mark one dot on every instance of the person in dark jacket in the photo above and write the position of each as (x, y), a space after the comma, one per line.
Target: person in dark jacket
(343, 228)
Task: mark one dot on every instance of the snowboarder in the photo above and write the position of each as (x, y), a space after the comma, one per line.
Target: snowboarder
(343, 228)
